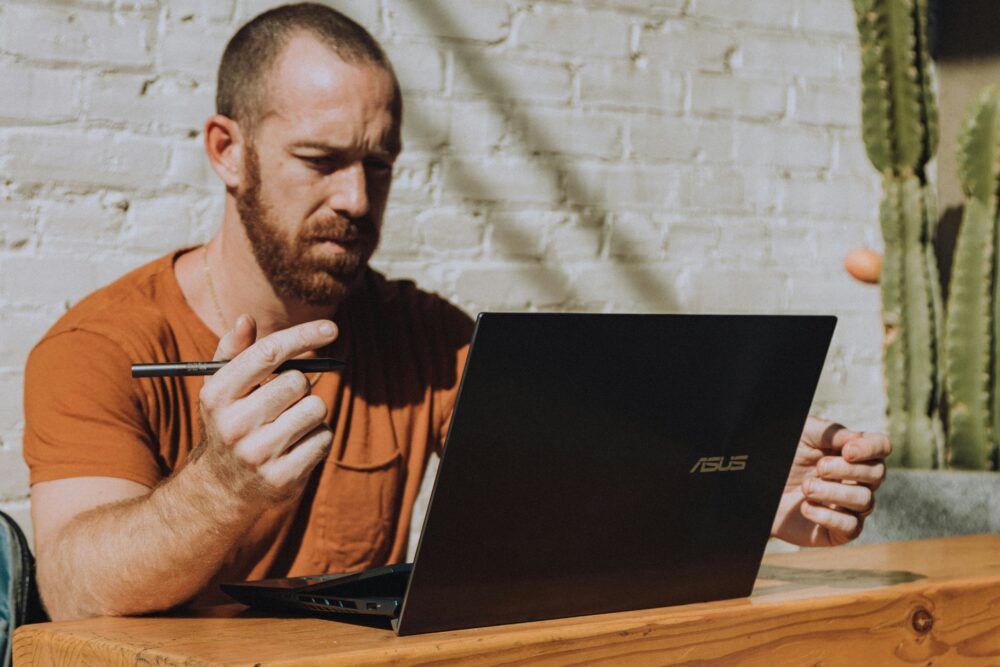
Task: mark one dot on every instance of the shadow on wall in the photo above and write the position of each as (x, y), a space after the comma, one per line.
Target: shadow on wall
(542, 150)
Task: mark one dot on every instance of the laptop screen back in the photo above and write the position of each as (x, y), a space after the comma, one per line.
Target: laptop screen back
(599, 463)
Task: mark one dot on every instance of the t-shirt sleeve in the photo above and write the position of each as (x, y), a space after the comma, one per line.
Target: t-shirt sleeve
(84, 414)
(455, 335)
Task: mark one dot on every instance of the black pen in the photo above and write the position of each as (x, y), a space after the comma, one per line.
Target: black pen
(185, 368)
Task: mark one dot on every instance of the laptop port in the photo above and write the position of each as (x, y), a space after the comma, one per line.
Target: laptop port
(371, 605)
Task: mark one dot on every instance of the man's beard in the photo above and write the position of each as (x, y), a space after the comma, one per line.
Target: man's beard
(288, 265)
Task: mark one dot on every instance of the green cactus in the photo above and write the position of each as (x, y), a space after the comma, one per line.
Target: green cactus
(899, 126)
(972, 365)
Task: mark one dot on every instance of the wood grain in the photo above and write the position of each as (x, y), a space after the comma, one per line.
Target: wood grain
(926, 602)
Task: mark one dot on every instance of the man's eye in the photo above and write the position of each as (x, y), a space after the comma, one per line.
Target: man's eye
(378, 165)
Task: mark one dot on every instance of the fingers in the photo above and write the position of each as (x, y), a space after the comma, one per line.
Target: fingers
(237, 339)
(867, 447)
(837, 468)
(841, 526)
(273, 439)
(266, 403)
(825, 434)
(299, 459)
(853, 497)
(251, 366)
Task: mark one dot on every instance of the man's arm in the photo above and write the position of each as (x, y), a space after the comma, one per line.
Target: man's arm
(119, 548)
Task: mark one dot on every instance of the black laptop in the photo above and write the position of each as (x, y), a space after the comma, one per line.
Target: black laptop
(595, 463)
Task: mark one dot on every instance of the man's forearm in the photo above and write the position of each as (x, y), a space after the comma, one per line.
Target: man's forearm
(148, 553)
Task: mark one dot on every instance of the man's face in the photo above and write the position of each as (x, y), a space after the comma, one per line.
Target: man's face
(317, 171)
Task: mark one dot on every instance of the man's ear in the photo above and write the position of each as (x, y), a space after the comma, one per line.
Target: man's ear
(224, 145)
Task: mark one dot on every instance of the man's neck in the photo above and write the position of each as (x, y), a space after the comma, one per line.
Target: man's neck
(223, 280)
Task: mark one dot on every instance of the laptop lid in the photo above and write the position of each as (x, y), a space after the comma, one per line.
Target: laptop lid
(600, 463)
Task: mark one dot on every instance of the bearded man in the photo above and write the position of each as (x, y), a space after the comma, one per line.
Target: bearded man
(145, 493)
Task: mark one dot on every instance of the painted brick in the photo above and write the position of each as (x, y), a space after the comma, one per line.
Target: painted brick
(189, 167)
(19, 331)
(414, 180)
(12, 390)
(365, 12)
(791, 147)
(582, 34)
(48, 32)
(159, 224)
(636, 236)
(776, 14)
(830, 16)
(37, 95)
(719, 189)
(679, 45)
(192, 48)
(84, 219)
(477, 127)
(724, 95)
(830, 104)
(17, 223)
(687, 238)
(629, 187)
(565, 132)
(142, 100)
(682, 139)
(480, 75)
(735, 291)
(49, 279)
(14, 480)
(791, 55)
(482, 20)
(632, 87)
(419, 68)
(514, 286)
(637, 288)
(426, 124)
(522, 234)
(92, 158)
(576, 241)
(836, 198)
(400, 235)
(217, 10)
(502, 181)
(448, 231)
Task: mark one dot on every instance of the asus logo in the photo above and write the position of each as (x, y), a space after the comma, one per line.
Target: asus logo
(720, 464)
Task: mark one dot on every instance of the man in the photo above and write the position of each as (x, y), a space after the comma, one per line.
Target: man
(145, 493)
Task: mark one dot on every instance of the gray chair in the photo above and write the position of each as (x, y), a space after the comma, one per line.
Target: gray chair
(19, 601)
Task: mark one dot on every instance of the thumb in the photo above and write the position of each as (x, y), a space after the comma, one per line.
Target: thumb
(240, 337)
(827, 435)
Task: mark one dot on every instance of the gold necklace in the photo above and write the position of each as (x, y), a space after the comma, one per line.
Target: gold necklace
(218, 309)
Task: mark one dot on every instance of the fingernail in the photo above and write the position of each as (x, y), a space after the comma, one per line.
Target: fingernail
(326, 329)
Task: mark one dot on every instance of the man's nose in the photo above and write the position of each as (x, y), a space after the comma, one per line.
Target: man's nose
(349, 191)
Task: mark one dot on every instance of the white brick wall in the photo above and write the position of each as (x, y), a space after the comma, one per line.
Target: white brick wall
(601, 155)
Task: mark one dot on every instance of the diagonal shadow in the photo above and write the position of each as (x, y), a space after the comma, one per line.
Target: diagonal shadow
(541, 149)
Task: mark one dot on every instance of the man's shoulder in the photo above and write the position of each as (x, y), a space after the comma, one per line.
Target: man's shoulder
(405, 296)
(133, 308)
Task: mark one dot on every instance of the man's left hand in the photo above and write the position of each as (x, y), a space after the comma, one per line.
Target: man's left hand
(831, 487)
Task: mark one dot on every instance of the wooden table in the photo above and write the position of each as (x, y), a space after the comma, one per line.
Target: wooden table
(926, 602)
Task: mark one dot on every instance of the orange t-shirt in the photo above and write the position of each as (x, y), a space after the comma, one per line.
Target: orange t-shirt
(405, 350)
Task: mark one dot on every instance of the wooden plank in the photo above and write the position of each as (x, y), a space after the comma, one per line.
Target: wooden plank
(909, 603)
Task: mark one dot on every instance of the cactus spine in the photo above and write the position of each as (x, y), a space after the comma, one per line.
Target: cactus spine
(972, 365)
(899, 125)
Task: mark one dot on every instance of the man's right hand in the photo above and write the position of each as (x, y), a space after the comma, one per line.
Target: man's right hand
(264, 439)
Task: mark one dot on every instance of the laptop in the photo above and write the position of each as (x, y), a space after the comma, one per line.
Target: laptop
(594, 463)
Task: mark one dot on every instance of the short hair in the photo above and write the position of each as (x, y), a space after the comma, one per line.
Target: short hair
(253, 51)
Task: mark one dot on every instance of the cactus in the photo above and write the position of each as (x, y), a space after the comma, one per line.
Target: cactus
(899, 126)
(971, 363)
